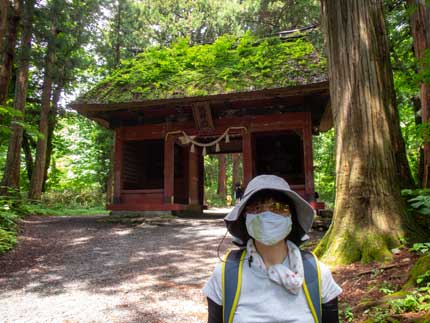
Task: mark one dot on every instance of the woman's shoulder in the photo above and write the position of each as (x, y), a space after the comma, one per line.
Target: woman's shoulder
(324, 269)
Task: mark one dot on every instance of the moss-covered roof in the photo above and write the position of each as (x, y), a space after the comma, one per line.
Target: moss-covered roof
(229, 65)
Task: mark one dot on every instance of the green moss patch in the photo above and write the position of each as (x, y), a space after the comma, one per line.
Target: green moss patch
(230, 64)
(420, 268)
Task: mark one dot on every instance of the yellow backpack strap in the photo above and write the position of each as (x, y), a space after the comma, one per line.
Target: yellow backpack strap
(312, 284)
(231, 282)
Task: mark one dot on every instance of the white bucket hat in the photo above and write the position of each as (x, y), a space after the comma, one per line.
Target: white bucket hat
(305, 213)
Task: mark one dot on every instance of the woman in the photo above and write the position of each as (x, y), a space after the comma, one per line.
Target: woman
(270, 279)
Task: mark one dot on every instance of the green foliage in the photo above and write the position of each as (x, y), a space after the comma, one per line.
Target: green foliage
(424, 280)
(73, 199)
(421, 203)
(10, 213)
(346, 315)
(377, 315)
(230, 64)
(387, 288)
(418, 202)
(418, 300)
(212, 198)
(325, 166)
(133, 26)
(422, 248)
(81, 159)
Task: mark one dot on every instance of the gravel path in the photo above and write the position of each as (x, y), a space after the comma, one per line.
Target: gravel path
(84, 269)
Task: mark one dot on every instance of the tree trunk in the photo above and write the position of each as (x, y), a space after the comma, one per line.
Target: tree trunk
(221, 191)
(26, 146)
(52, 122)
(9, 51)
(420, 27)
(118, 36)
(4, 9)
(420, 168)
(370, 217)
(235, 170)
(40, 159)
(13, 162)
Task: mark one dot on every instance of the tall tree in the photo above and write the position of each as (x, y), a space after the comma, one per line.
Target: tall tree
(8, 50)
(420, 27)
(52, 122)
(38, 173)
(66, 34)
(13, 162)
(370, 218)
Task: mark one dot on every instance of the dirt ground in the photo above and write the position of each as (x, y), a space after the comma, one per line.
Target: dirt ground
(85, 269)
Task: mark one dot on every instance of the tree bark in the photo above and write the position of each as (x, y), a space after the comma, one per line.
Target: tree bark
(4, 9)
(13, 162)
(26, 146)
(9, 50)
(370, 217)
(221, 191)
(36, 183)
(420, 28)
(52, 122)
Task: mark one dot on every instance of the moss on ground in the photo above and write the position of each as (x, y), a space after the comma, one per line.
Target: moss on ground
(420, 268)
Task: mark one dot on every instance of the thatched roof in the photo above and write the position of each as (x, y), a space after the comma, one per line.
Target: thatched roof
(229, 65)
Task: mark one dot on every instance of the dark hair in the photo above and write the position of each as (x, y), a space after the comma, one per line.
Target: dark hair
(297, 231)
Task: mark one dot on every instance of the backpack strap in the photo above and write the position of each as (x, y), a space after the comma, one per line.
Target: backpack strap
(232, 283)
(232, 270)
(312, 284)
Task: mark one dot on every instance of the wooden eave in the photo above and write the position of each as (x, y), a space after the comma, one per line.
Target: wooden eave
(315, 96)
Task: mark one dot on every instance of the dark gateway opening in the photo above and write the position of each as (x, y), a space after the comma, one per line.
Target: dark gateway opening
(143, 164)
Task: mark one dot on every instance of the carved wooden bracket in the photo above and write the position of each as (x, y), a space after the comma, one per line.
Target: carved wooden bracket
(202, 114)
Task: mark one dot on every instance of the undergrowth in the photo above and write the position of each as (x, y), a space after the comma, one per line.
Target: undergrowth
(405, 299)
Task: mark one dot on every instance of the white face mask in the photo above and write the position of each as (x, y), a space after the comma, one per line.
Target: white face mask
(268, 227)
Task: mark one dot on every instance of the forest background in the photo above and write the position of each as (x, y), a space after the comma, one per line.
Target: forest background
(67, 46)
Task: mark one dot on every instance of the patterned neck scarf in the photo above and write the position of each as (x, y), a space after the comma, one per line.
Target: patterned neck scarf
(289, 274)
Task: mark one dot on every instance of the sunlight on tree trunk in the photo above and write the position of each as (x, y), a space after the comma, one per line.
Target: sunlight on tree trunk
(370, 217)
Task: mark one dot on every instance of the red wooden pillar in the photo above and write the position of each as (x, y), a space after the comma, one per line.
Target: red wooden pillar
(118, 165)
(308, 158)
(193, 178)
(201, 169)
(248, 162)
(169, 168)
